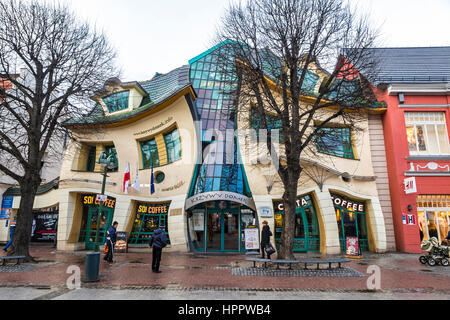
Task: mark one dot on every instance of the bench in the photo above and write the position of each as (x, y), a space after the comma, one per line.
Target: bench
(255, 260)
(290, 262)
(252, 253)
(324, 261)
(4, 259)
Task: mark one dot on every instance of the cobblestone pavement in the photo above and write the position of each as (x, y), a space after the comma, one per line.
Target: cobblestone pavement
(211, 294)
(186, 275)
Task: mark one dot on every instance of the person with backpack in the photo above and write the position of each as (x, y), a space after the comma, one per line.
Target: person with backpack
(157, 242)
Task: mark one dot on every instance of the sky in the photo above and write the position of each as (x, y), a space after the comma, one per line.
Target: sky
(160, 35)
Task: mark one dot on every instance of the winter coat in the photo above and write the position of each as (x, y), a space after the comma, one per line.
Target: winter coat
(265, 235)
(158, 239)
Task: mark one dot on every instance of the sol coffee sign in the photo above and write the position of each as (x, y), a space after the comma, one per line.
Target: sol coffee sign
(92, 200)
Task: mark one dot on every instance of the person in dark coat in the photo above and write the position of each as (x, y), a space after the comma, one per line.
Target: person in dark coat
(265, 239)
(111, 241)
(157, 242)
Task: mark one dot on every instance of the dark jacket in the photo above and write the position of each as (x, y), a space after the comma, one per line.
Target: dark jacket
(112, 234)
(265, 235)
(158, 239)
(448, 236)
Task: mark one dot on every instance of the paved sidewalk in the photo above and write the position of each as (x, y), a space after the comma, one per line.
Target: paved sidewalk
(187, 271)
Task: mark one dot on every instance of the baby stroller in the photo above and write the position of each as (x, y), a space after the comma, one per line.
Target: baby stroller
(436, 254)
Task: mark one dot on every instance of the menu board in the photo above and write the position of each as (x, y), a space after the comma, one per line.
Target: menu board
(121, 242)
(352, 245)
(44, 226)
(251, 238)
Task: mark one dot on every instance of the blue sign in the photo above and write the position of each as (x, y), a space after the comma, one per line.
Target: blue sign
(5, 212)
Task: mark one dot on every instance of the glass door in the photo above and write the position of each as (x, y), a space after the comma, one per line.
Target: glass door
(214, 231)
(222, 230)
(105, 222)
(301, 235)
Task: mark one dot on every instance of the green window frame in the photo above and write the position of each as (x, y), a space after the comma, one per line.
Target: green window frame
(272, 123)
(150, 154)
(335, 141)
(147, 220)
(117, 101)
(173, 146)
(90, 163)
(310, 81)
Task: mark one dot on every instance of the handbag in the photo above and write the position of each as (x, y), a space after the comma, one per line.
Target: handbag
(269, 249)
(106, 249)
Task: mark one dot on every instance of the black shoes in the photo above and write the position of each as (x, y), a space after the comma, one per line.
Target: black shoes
(156, 271)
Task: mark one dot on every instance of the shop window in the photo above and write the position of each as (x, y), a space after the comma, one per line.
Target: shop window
(427, 133)
(173, 146)
(335, 141)
(150, 156)
(117, 101)
(306, 232)
(148, 218)
(433, 213)
(351, 221)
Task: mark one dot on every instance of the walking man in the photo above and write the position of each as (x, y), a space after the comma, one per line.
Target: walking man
(158, 241)
(111, 241)
(12, 227)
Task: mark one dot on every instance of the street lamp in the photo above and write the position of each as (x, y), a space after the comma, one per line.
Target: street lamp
(108, 161)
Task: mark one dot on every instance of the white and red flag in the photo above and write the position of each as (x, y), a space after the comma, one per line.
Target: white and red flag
(126, 179)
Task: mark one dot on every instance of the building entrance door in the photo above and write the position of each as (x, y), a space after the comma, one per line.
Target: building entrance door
(222, 229)
(105, 215)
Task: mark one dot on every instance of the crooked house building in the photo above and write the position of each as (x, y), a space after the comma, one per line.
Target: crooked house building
(205, 195)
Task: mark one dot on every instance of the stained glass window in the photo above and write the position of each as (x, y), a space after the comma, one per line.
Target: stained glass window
(215, 107)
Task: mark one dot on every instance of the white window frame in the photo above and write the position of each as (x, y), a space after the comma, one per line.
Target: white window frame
(424, 124)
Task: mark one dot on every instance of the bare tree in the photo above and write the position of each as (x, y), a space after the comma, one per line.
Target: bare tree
(277, 45)
(61, 62)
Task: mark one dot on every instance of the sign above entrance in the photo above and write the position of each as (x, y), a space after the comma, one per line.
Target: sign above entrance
(219, 196)
(347, 203)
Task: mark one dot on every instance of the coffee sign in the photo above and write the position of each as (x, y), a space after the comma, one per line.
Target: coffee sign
(347, 203)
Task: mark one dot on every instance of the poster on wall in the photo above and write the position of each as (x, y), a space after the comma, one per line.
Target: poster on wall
(121, 242)
(352, 245)
(251, 238)
(44, 226)
(5, 212)
(198, 220)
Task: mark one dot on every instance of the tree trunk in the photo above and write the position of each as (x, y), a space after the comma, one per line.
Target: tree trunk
(288, 229)
(22, 233)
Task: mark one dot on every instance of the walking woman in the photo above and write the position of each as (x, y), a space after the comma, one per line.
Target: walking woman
(265, 240)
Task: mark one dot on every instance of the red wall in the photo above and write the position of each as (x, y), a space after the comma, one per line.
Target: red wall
(394, 127)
